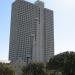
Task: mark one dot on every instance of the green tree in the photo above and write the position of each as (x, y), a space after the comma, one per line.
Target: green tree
(6, 69)
(34, 69)
(64, 62)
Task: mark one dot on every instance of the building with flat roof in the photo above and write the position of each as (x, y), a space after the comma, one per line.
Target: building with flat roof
(32, 32)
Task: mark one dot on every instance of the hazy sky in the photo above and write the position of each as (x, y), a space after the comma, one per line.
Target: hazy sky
(64, 25)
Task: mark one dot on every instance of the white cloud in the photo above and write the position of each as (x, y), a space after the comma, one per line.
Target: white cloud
(64, 2)
(69, 2)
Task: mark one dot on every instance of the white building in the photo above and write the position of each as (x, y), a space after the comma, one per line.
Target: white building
(32, 32)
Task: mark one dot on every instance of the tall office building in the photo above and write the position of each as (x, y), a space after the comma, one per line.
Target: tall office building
(32, 32)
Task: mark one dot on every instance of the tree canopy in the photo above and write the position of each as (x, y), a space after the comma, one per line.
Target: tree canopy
(6, 69)
(63, 62)
(34, 69)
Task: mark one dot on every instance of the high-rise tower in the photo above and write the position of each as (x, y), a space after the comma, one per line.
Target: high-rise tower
(32, 32)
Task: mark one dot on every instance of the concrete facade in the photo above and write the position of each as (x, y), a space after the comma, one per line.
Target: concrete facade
(32, 32)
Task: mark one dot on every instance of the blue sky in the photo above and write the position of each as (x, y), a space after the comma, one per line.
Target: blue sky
(64, 25)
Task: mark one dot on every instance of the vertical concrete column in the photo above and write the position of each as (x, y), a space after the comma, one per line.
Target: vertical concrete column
(40, 33)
